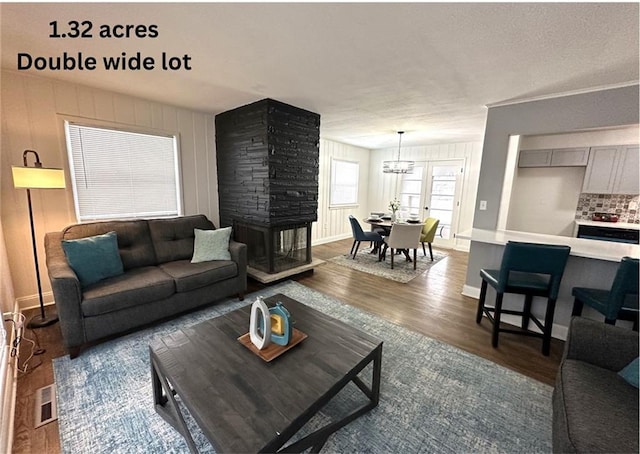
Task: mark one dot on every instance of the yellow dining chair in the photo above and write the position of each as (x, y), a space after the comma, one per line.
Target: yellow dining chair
(428, 234)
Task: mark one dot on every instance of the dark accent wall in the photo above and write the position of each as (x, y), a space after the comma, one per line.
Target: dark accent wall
(267, 154)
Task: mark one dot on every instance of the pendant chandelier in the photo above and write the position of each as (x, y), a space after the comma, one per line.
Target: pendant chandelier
(398, 166)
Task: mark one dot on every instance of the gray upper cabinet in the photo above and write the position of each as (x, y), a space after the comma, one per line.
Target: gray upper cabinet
(626, 181)
(561, 157)
(566, 157)
(534, 158)
(612, 170)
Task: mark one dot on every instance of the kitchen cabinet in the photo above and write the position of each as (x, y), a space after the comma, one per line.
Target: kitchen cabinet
(612, 170)
(560, 157)
(626, 181)
(569, 157)
(534, 158)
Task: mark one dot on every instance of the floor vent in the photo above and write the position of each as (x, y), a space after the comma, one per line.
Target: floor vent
(45, 410)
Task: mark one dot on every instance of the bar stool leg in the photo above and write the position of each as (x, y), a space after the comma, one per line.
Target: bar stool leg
(496, 320)
(526, 313)
(577, 307)
(483, 295)
(548, 324)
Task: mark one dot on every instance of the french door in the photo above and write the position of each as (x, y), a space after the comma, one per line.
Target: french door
(433, 190)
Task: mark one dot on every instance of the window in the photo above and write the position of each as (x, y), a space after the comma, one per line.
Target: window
(344, 182)
(122, 174)
(411, 191)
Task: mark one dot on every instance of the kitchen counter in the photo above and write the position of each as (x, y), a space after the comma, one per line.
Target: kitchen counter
(591, 263)
(580, 247)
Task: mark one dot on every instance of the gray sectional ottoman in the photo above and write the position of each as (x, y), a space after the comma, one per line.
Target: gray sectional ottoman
(594, 408)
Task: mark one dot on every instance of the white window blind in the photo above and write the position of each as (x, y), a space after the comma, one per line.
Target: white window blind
(119, 174)
(344, 182)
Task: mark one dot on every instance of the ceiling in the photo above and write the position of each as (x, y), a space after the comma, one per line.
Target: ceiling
(369, 69)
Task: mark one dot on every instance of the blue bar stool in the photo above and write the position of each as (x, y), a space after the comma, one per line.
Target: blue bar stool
(528, 269)
(620, 302)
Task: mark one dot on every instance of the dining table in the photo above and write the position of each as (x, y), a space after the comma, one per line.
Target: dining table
(385, 223)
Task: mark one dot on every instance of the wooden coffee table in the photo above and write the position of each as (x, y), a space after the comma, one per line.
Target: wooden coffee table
(245, 404)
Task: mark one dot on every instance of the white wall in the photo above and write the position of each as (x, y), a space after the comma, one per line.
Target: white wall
(385, 187)
(333, 223)
(544, 199)
(33, 109)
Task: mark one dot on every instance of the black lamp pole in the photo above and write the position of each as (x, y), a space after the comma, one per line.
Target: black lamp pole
(42, 320)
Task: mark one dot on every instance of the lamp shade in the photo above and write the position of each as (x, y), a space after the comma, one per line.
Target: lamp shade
(38, 178)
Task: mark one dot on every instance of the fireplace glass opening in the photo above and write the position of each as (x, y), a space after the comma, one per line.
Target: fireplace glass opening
(275, 249)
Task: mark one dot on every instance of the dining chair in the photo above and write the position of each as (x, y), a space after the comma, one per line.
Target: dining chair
(360, 235)
(620, 302)
(428, 234)
(528, 269)
(403, 236)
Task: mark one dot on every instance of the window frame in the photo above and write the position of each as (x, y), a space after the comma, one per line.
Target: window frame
(348, 204)
(100, 124)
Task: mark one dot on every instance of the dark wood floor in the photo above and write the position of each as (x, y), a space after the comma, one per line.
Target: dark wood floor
(430, 304)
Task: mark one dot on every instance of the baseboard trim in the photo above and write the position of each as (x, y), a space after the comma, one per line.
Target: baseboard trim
(8, 404)
(472, 292)
(33, 301)
(557, 331)
(331, 239)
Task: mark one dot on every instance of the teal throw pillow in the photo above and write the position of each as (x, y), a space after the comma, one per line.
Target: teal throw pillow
(630, 372)
(211, 245)
(94, 258)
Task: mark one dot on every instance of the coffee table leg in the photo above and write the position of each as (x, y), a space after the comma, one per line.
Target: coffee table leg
(318, 438)
(166, 405)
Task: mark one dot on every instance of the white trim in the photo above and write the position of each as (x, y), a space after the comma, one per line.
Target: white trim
(472, 292)
(562, 94)
(33, 301)
(331, 239)
(8, 404)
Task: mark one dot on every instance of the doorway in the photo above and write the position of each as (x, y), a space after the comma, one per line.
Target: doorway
(433, 190)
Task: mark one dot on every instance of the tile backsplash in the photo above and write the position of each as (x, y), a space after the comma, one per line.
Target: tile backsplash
(625, 206)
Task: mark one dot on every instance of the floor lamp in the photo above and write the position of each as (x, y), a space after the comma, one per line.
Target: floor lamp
(37, 177)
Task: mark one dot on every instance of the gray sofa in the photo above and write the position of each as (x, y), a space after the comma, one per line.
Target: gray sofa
(594, 409)
(159, 279)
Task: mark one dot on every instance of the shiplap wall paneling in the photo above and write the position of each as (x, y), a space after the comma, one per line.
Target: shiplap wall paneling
(33, 110)
(385, 187)
(333, 223)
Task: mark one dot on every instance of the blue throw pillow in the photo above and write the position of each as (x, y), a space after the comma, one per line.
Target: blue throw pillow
(630, 372)
(94, 258)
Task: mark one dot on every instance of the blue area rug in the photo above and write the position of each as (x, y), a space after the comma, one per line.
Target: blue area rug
(434, 397)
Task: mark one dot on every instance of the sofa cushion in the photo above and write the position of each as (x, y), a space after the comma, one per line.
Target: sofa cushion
(211, 245)
(134, 240)
(173, 238)
(94, 258)
(189, 276)
(137, 286)
(601, 409)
